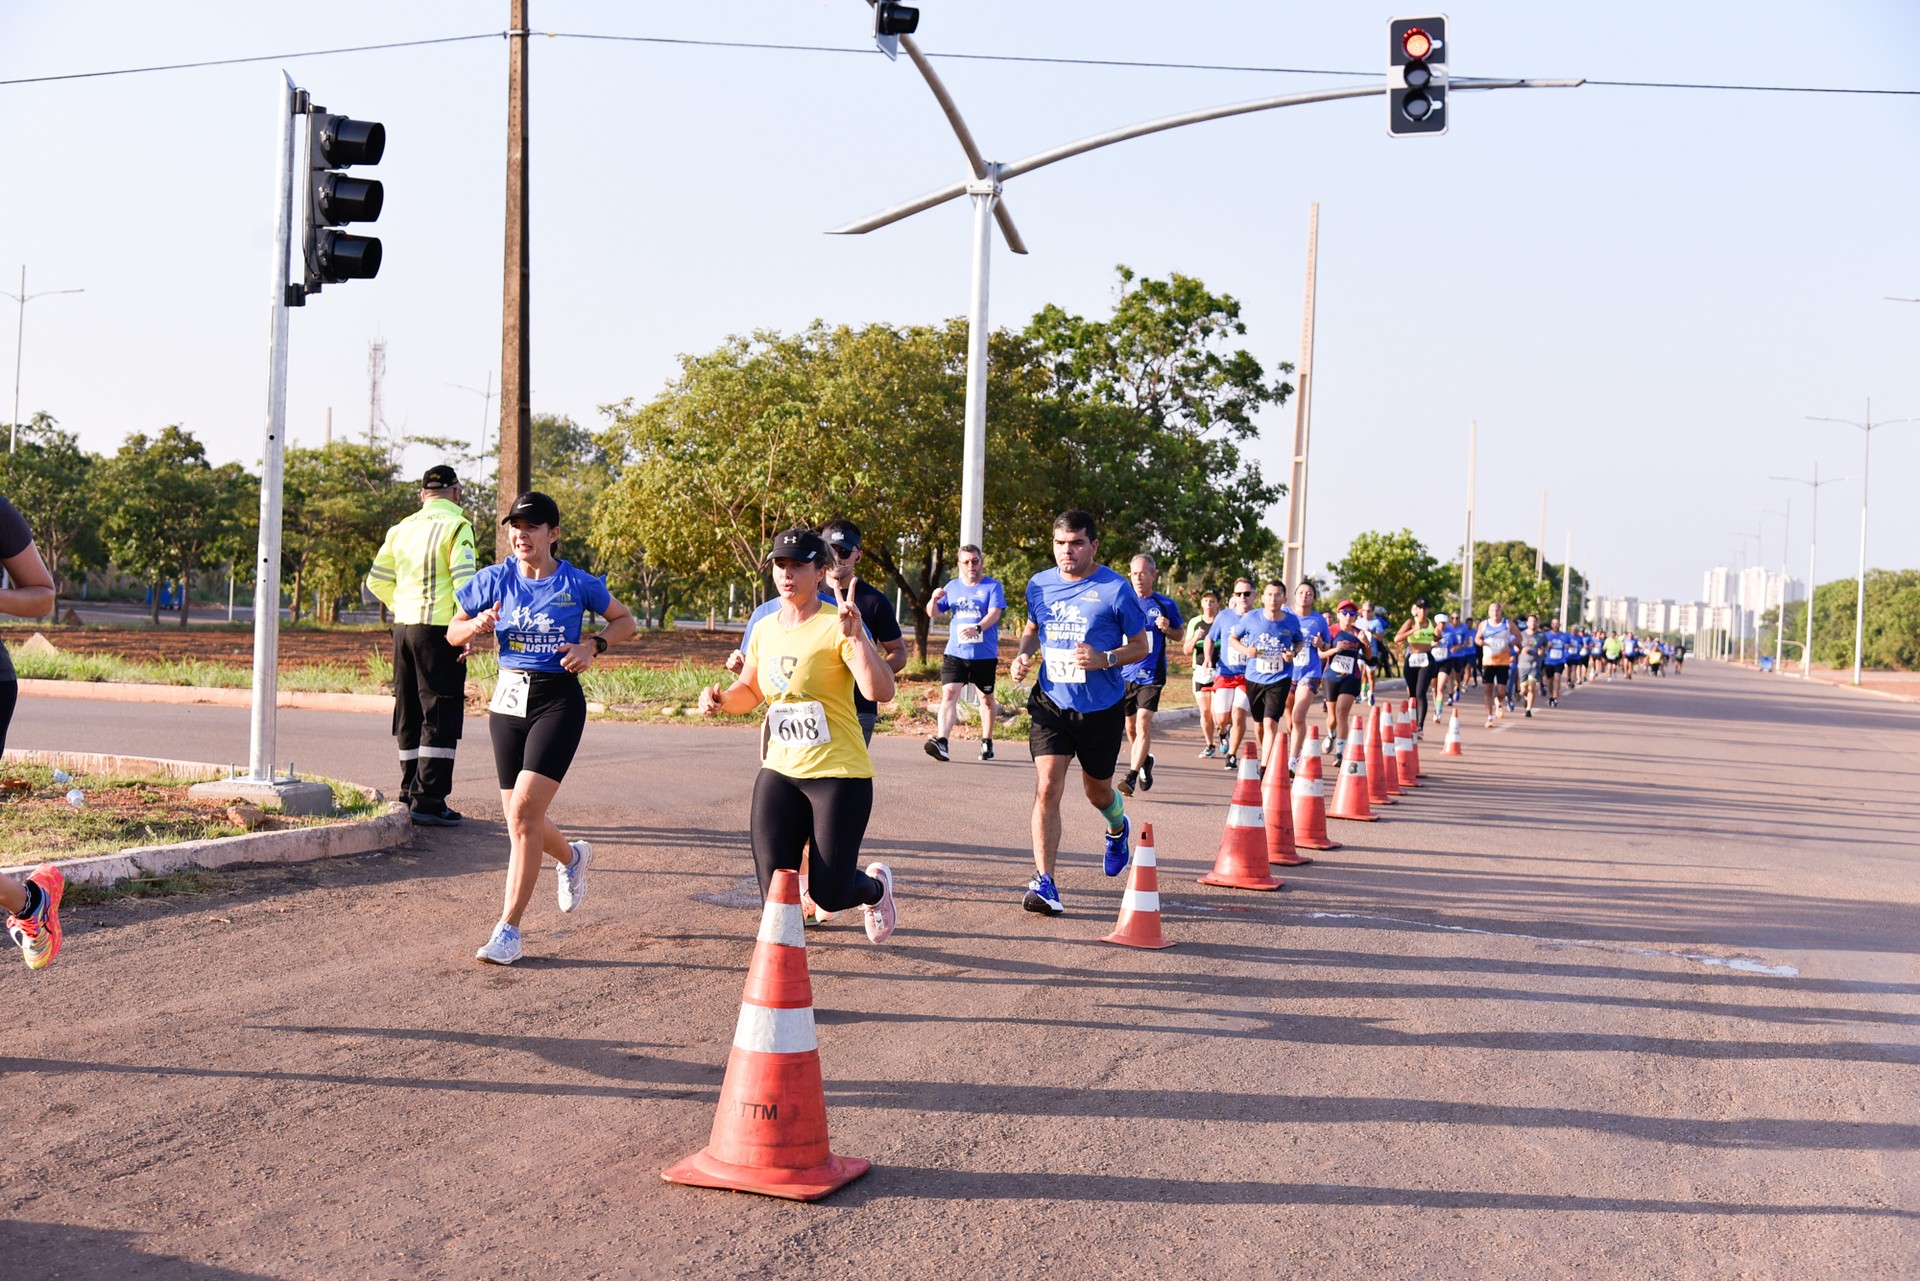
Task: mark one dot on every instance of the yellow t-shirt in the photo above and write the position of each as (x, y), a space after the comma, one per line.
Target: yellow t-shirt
(804, 672)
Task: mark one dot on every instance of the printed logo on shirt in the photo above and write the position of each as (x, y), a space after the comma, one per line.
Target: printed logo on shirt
(783, 676)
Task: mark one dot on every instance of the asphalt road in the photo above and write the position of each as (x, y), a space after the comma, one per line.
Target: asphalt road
(1629, 990)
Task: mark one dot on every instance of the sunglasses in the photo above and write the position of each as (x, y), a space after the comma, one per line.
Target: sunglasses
(1245, 593)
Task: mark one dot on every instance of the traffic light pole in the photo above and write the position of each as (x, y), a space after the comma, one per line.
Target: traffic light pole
(972, 497)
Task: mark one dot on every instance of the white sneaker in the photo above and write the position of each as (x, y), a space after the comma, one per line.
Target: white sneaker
(573, 877)
(881, 916)
(811, 913)
(503, 948)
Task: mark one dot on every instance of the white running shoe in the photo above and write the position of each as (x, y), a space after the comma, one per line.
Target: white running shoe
(573, 877)
(503, 948)
(881, 916)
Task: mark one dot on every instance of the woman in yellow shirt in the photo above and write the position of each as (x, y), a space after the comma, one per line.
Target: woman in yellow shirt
(816, 779)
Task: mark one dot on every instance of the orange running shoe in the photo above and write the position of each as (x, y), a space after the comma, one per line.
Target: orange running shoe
(38, 934)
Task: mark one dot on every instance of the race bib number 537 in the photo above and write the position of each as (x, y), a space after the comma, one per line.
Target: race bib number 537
(1063, 668)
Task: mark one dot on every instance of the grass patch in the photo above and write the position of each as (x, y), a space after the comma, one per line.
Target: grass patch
(371, 677)
(190, 881)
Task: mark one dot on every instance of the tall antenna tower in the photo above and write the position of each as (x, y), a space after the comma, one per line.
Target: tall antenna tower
(376, 371)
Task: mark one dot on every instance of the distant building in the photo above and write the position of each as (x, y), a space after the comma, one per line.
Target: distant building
(1718, 588)
(1654, 616)
(1689, 618)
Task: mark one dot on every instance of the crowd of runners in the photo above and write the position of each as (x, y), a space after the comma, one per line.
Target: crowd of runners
(814, 663)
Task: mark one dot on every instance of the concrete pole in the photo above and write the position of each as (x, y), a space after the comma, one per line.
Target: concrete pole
(973, 462)
(1294, 554)
(1466, 562)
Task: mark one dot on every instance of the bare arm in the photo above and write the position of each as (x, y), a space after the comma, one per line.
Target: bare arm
(32, 592)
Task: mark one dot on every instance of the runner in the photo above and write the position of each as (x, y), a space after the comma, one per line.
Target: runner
(1679, 656)
(1657, 656)
(1612, 645)
(1419, 634)
(1444, 684)
(1085, 623)
(32, 905)
(843, 540)
(1308, 668)
(1230, 705)
(1267, 639)
(816, 778)
(972, 655)
(1629, 653)
(1200, 651)
(1146, 678)
(1533, 661)
(1495, 639)
(1344, 653)
(535, 604)
(1558, 646)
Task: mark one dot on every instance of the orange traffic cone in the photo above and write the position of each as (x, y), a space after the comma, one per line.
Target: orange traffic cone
(1402, 721)
(1350, 797)
(1310, 800)
(1276, 798)
(770, 1131)
(1383, 779)
(1453, 737)
(1413, 739)
(1139, 924)
(1242, 861)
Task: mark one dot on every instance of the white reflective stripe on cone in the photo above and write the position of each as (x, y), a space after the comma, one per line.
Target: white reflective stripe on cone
(1143, 856)
(1249, 768)
(1309, 787)
(1140, 901)
(781, 923)
(1245, 816)
(765, 1031)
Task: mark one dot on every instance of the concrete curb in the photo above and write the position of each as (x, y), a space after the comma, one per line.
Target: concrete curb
(296, 845)
(131, 692)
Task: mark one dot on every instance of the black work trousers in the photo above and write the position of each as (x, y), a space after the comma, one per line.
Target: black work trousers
(429, 703)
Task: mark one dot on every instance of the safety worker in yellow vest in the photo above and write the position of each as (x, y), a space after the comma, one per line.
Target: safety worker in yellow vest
(425, 559)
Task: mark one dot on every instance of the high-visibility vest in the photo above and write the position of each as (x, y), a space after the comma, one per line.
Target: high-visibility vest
(425, 559)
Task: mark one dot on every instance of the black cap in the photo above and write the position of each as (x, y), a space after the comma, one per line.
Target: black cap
(440, 477)
(798, 544)
(841, 535)
(535, 507)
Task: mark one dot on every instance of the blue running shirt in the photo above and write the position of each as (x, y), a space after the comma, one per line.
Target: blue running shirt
(1152, 670)
(1100, 610)
(968, 605)
(1274, 640)
(538, 616)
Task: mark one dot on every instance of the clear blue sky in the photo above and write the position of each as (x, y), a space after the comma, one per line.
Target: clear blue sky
(1638, 293)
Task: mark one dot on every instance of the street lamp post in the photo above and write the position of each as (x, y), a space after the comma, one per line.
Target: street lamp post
(19, 345)
(1780, 619)
(1739, 603)
(1866, 459)
(1813, 552)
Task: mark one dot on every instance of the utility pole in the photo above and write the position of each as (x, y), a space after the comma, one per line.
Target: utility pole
(1466, 561)
(1813, 562)
(516, 402)
(1294, 555)
(1540, 547)
(1566, 581)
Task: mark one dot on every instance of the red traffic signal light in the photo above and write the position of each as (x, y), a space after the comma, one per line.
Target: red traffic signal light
(1416, 43)
(1417, 75)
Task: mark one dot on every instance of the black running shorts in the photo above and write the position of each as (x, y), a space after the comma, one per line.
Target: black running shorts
(1092, 738)
(543, 740)
(1269, 701)
(1141, 698)
(969, 671)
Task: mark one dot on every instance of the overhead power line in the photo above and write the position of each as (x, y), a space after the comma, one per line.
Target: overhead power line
(1138, 64)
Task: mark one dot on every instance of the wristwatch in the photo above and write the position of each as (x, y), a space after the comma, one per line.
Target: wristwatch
(599, 643)
(1109, 658)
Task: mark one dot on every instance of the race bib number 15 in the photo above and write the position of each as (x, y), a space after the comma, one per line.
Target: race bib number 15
(510, 694)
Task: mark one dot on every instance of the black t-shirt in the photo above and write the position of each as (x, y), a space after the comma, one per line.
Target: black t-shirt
(15, 538)
(877, 612)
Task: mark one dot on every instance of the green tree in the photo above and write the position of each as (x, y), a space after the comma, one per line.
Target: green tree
(572, 466)
(1892, 639)
(1503, 572)
(1393, 569)
(339, 501)
(166, 505)
(50, 479)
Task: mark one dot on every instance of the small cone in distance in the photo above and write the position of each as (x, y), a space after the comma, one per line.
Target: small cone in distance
(1139, 923)
(770, 1130)
(1310, 800)
(1382, 777)
(1242, 861)
(1413, 742)
(1350, 797)
(1276, 799)
(1452, 747)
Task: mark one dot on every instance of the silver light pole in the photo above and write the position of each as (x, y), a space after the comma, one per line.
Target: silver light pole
(1739, 605)
(19, 345)
(1780, 619)
(1866, 459)
(1813, 552)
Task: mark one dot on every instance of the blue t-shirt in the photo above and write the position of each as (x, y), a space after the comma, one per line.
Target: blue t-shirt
(538, 616)
(1274, 639)
(1223, 626)
(1100, 610)
(1459, 640)
(1306, 659)
(968, 605)
(1152, 670)
(1559, 648)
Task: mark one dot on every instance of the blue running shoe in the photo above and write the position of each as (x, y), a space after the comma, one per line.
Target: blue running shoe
(1042, 897)
(1119, 853)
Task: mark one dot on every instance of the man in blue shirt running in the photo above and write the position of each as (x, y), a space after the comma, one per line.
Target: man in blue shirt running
(1084, 623)
(972, 655)
(1146, 678)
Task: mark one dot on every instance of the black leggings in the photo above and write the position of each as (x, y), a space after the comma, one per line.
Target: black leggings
(9, 695)
(834, 812)
(1419, 680)
(545, 739)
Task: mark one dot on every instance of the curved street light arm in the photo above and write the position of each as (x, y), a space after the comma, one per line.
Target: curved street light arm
(982, 171)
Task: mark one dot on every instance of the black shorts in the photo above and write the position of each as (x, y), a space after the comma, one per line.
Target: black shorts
(969, 671)
(1092, 738)
(1141, 698)
(1340, 686)
(1497, 673)
(545, 739)
(1554, 670)
(1269, 701)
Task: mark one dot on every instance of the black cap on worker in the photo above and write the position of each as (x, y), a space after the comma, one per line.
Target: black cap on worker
(535, 508)
(802, 545)
(440, 477)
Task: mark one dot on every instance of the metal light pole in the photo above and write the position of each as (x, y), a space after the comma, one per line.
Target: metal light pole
(19, 345)
(1866, 459)
(1780, 620)
(1739, 606)
(1813, 552)
(984, 187)
(486, 409)
(1466, 560)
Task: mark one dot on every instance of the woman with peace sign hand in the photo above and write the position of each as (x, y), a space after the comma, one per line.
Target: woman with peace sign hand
(816, 779)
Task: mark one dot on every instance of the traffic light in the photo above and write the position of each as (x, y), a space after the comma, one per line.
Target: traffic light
(1417, 75)
(334, 199)
(890, 22)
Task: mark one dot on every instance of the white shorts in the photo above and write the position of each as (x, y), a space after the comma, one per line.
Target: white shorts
(1225, 701)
